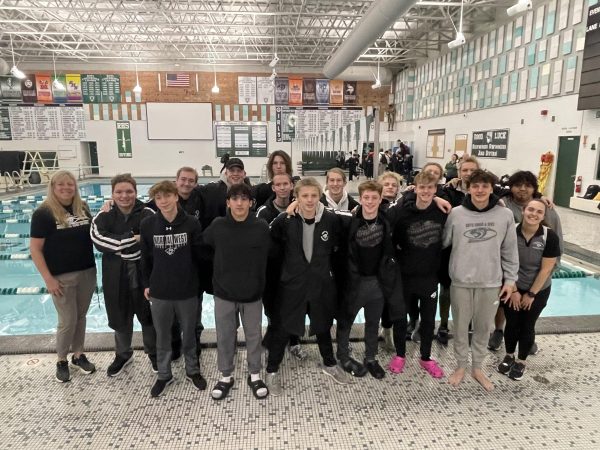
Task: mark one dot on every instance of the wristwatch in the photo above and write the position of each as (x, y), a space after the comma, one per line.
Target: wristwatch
(531, 294)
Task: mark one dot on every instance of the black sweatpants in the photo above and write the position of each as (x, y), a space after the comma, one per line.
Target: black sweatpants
(520, 325)
(419, 293)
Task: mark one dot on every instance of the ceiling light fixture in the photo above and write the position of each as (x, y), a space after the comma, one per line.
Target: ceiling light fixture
(137, 88)
(377, 83)
(460, 37)
(56, 84)
(274, 61)
(215, 89)
(14, 71)
(519, 7)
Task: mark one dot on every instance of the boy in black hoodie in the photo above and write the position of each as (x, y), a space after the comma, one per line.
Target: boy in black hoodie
(241, 244)
(171, 245)
(417, 238)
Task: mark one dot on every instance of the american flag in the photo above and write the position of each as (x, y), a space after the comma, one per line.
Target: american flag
(178, 79)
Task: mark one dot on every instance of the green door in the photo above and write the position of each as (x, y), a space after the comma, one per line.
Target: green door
(566, 167)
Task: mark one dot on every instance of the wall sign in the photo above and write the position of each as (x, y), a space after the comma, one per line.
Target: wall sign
(241, 138)
(490, 144)
(124, 139)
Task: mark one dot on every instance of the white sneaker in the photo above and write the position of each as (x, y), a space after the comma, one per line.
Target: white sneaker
(337, 374)
(273, 382)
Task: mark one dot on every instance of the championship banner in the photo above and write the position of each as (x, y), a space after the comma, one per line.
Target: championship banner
(44, 91)
(322, 92)
(10, 89)
(91, 88)
(336, 92)
(74, 94)
(59, 95)
(295, 93)
(349, 92)
(281, 91)
(28, 89)
(247, 90)
(265, 91)
(308, 94)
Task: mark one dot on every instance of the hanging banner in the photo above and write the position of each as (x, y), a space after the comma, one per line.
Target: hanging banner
(336, 92)
(308, 94)
(10, 89)
(265, 91)
(490, 144)
(123, 139)
(111, 88)
(59, 95)
(247, 90)
(281, 91)
(91, 88)
(74, 94)
(28, 89)
(349, 92)
(295, 98)
(322, 92)
(369, 124)
(44, 91)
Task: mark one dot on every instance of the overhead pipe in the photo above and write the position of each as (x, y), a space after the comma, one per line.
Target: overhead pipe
(378, 18)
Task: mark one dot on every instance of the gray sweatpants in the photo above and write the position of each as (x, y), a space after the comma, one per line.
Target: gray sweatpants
(163, 314)
(478, 305)
(72, 307)
(226, 322)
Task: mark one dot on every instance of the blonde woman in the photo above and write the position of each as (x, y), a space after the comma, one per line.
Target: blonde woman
(61, 249)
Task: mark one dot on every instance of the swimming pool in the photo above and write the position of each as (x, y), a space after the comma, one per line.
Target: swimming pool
(25, 309)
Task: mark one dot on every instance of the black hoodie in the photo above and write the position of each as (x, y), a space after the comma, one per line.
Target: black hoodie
(417, 238)
(468, 203)
(240, 261)
(170, 255)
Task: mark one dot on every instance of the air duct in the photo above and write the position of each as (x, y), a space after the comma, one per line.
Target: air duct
(374, 23)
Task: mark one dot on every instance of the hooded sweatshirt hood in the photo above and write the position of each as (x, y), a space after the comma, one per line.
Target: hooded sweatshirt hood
(468, 203)
(341, 205)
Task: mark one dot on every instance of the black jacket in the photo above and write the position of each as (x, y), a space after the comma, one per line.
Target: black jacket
(388, 274)
(241, 250)
(171, 254)
(262, 192)
(306, 286)
(268, 211)
(113, 236)
(213, 202)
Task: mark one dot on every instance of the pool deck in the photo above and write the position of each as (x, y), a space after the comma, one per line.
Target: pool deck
(555, 406)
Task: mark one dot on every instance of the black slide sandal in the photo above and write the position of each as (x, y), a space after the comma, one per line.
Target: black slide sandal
(255, 386)
(224, 388)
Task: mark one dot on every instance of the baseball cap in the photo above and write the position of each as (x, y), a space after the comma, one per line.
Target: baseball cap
(234, 162)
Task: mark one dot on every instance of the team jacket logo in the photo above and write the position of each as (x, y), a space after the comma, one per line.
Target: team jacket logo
(480, 234)
(538, 245)
(73, 222)
(324, 236)
(170, 242)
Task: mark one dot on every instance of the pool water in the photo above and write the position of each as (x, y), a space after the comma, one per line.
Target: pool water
(34, 313)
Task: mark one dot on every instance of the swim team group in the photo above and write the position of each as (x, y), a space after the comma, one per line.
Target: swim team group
(483, 251)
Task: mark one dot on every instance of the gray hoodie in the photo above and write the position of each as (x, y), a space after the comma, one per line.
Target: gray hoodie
(484, 246)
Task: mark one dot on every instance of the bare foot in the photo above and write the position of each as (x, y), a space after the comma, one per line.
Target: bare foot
(482, 379)
(457, 377)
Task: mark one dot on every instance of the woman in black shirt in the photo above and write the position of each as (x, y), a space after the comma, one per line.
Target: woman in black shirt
(539, 249)
(61, 249)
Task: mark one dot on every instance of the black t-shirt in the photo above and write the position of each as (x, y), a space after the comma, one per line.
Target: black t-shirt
(66, 248)
(369, 239)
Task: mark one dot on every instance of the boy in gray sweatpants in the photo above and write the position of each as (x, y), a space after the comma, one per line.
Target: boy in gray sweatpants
(484, 264)
(241, 248)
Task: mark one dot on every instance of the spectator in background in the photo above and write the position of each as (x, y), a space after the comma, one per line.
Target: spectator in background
(451, 170)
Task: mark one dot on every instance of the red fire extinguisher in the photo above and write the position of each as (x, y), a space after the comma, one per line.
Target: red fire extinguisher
(578, 184)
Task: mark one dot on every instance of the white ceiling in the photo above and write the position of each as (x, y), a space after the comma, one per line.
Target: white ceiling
(241, 34)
